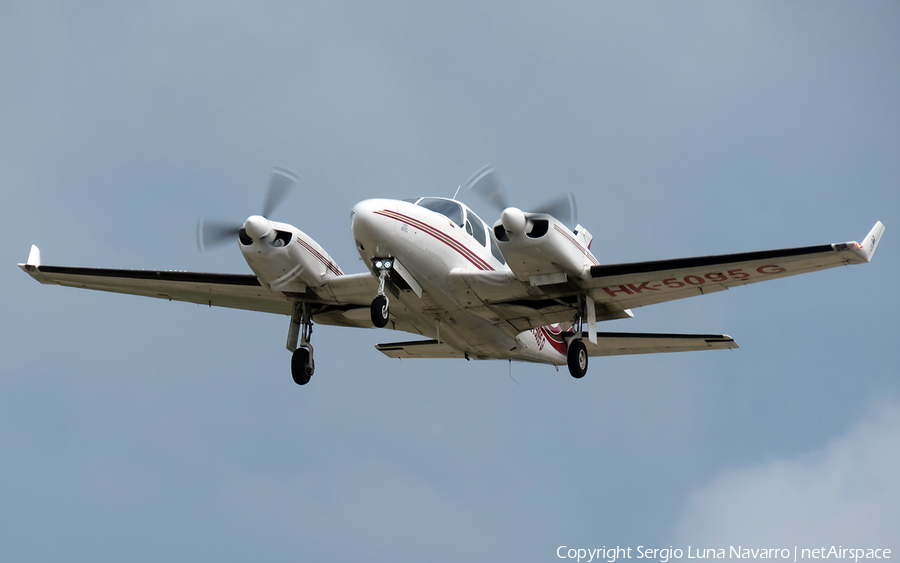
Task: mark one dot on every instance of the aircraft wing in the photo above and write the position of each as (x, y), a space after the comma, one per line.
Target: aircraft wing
(616, 288)
(645, 283)
(338, 296)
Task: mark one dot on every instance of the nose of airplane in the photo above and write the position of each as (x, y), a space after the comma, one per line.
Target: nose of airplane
(369, 220)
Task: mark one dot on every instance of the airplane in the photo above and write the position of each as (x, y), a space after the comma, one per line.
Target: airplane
(527, 288)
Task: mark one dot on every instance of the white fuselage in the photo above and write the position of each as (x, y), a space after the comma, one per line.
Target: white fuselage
(429, 245)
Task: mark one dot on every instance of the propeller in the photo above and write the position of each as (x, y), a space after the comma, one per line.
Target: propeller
(485, 184)
(215, 233)
(280, 183)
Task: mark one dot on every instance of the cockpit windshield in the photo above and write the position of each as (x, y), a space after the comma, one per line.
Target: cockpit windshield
(454, 211)
(446, 207)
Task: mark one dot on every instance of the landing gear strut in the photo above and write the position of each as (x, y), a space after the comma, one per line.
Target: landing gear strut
(379, 310)
(302, 363)
(577, 356)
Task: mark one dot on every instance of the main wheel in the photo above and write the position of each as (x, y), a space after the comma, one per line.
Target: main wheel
(379, 311)
(577, 359)
(302, 366)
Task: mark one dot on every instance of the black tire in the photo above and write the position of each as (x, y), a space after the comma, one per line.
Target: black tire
(578, 359)
(301, 366)
(379, 311)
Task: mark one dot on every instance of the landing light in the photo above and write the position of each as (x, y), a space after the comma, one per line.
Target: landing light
(387, 263)
(379, 264)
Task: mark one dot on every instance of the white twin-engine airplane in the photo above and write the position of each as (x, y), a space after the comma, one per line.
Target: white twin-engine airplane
(527, 288)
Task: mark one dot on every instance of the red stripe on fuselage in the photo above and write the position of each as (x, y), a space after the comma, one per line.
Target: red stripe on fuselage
(473, 258)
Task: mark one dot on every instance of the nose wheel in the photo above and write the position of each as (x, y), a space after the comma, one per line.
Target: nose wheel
(379, 310)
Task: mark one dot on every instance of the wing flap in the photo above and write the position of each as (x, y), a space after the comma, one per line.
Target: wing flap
(624, 343)
(418, 349)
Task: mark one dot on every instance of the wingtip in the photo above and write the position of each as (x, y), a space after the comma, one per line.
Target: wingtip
(34, 261)
(34, 257)
(870, 243)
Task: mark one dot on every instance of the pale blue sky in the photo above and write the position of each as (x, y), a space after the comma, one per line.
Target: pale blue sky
(136, 429)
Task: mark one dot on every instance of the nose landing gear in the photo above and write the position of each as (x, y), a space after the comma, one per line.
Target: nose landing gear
(302, 363)
(379, 311)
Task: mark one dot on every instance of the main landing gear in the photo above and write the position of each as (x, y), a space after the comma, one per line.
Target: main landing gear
(577, 359)
(302, 363)
(577, 356)
(379, 310)
(302, 366)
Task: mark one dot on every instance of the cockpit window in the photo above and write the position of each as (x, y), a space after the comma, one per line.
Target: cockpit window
(475, 227)
(448, 208)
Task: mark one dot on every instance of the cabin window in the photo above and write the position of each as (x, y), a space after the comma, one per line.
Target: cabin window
(446, 207)
(475, 227)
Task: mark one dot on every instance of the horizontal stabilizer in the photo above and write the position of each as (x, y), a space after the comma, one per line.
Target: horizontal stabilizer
(622, 343)
(418, 349)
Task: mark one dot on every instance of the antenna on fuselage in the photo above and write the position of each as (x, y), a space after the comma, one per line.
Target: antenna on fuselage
(457, 191)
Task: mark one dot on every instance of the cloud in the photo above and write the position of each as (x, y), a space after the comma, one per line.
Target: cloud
(846, 493)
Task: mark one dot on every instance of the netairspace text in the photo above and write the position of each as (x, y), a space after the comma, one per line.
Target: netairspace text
(664, 554)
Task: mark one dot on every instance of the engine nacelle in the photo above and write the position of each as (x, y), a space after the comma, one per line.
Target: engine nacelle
(283, 257)
(541, 250)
